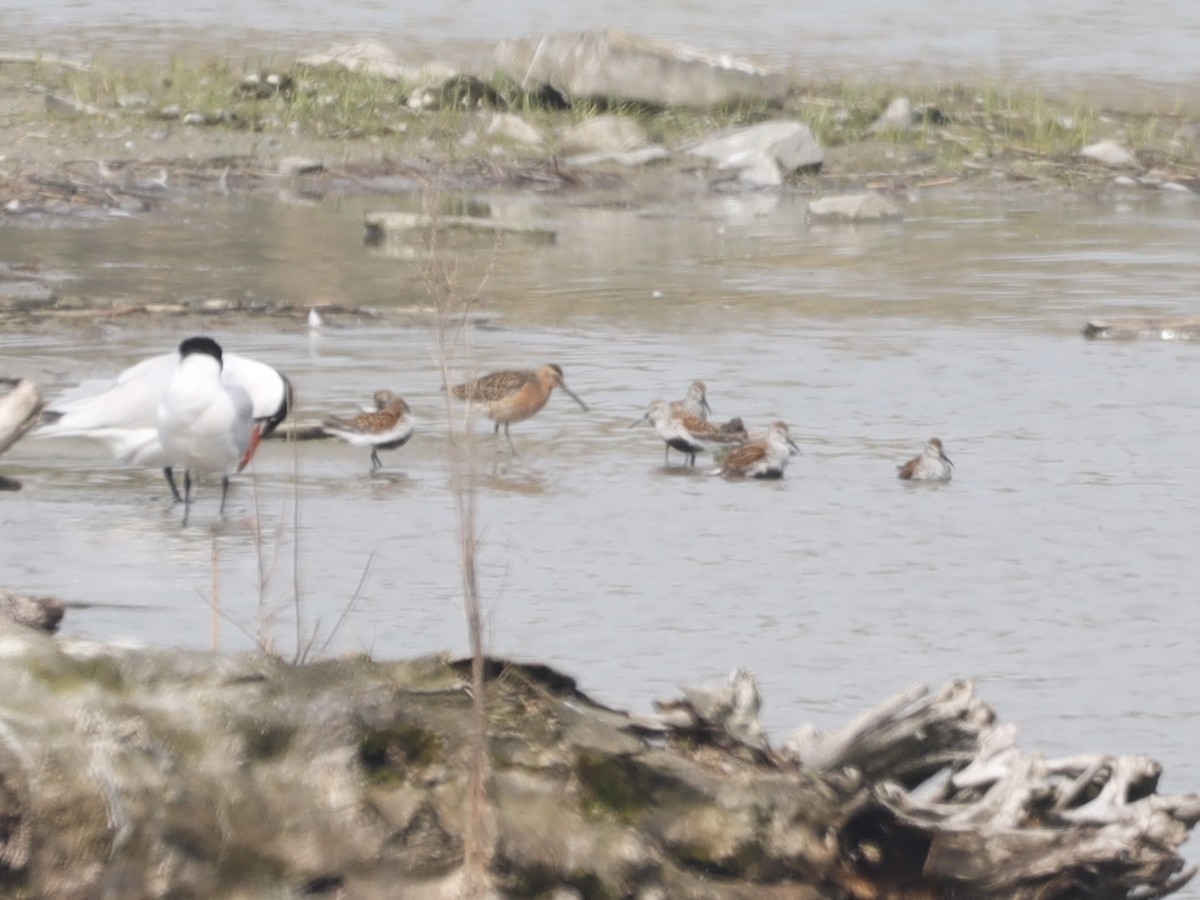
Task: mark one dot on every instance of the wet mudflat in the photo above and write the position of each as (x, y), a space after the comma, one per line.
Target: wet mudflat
(1057, 567)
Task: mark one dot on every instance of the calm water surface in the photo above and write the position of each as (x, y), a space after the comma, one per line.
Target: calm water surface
(1058, 568)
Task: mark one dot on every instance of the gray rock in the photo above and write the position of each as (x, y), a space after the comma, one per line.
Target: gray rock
(602, 134)
(762, 155)
(614, 65)
(865, 207)
(300, 165)
(1109, 153)
(629, 158)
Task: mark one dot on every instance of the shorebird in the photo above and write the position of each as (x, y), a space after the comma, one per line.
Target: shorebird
(688, 433)
(388, 427)
(123, 414)
(932, 465)
(205, 424)
(695, 402)
(514, 395)
(763, 456)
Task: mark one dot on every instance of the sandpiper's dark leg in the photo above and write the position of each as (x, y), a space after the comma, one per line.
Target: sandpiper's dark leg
(692, 459)
(224, 491)
(187, 493)
(375, 463)
(170, 476)
(508, 438)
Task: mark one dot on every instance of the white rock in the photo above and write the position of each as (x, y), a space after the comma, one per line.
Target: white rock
(513, 128)
(783, 144)
(897, 117)
(1109, 153)
(376, 58)
(864, 207)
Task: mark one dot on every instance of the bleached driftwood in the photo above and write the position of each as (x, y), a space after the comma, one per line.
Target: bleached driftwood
(20, 407)
(947, 805)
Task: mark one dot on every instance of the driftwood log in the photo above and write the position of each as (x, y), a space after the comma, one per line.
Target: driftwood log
(1171, 328)
(20, 408)
(129, 772)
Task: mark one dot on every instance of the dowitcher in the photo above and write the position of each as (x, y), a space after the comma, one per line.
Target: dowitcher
(387, 427)
(123, 413)
(932, 465)
(763, 456)
(205, 424)
(514, 395)
(688, 433)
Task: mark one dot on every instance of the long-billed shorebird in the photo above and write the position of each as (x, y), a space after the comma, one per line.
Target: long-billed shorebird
(514, 395)
(123, 414)
(763, 456)
(387, 427)
(204, 423)
(932, 465)
(688, 433)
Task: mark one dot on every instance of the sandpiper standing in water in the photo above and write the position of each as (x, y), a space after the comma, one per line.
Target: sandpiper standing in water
(763, 456)
(388, 427)
(932, 465)
(514, 395)
(689, 433)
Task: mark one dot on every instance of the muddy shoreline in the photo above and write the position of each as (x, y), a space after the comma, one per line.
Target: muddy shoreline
(125, 137)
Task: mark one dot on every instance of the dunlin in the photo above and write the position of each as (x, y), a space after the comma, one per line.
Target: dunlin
(688, 433)
(205, 424)
(763, 456)
(932, 465)
(695, 402)
(123, 413)
(514, 395)
(388, 427)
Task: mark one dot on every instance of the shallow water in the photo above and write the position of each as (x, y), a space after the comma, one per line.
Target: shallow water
(1058, 568)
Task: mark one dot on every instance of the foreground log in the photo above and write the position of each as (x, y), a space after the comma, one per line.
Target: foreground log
(133, 772)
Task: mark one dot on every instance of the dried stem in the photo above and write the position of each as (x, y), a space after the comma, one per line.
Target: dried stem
(439, 277)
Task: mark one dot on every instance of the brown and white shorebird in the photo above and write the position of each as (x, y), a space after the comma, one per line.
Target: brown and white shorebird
(763, 456)
(695, 402)
(514, 395)
(932, 465)
(387, 427)
(689, 433)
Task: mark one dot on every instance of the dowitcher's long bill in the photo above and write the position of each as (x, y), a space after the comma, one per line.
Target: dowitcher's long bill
(763, 456)
(932, 465)
(514, 395)
(388, 427)
(688, 433)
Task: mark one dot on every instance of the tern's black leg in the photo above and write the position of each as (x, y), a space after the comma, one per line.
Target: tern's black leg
(170, 476)
(224, 491)
(187, 494)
